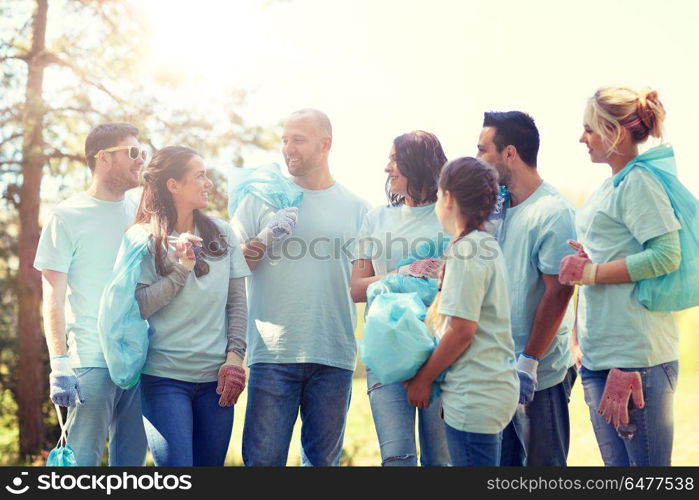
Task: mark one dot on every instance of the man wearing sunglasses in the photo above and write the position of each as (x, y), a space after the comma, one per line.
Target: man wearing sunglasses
(76, 252)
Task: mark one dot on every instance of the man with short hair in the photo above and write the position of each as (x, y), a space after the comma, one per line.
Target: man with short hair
(76, 253)
(301, 345)
(537, 223)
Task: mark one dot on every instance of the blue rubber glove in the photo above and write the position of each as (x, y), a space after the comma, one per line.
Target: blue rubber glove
(526, 371)
(64, 382)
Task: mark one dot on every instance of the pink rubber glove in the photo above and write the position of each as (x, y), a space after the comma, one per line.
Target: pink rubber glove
(615, 400)
(231, 382)
(577, 246)
(424, 268)
(571, 271)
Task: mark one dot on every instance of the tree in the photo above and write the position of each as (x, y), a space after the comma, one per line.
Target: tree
(55, 91)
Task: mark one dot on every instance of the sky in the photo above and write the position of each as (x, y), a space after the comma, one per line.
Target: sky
(384, 67)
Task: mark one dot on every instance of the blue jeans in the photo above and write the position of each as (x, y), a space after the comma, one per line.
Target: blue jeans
(276, 392)
(394, 419)
(651, 441)
(107, 410)
(184, 423)
(539, 433)
(471, 449)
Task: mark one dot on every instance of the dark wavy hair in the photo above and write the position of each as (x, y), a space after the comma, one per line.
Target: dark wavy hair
(157, 209)
(420, 158)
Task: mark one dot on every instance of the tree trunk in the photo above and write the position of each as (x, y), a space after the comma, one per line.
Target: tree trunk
(31, 385)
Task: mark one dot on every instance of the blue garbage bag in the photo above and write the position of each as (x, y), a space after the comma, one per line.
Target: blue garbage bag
(679, 289)
(396, 342)
(62, 455)
(266, 182)
(424, 288)
(122, 332)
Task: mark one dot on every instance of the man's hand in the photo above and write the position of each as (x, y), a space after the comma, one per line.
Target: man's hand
(65, 390)
(528, 382)
(282, 224)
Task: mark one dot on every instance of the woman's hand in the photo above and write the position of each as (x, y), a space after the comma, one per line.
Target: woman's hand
(184, 249)
(577, 270)
(418, 392)
(620, 386)
(231, 380)
(423, 268)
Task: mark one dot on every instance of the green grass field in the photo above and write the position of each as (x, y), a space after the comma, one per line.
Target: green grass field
(361, 445)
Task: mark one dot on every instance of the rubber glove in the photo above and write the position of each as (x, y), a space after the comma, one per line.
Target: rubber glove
(424, 268)
(65, 390)
(526, 371)
(282, 224)
(231, 379)
(614, 405)
(186, 247)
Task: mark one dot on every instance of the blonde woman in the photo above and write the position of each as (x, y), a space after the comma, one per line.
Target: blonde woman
(628, 232)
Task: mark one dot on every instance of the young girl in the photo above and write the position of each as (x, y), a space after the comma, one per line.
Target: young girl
(415, 161)
(195, 304)
(471, 317)
(628, 232)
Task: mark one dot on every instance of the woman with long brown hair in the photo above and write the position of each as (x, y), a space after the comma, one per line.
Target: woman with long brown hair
(386, 238)
(192, 293)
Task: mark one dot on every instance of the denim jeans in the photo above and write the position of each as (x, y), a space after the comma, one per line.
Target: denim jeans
(471, 449)
(276, 392)
(107, 410)
(394, 419)
(651, 441)
(539, 433)
(184, 423)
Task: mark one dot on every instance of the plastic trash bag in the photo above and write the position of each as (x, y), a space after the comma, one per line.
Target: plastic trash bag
(396, 342)
(122, 332)
(679, 289)
(424, 288)
(432, 249)
(62, 455)
(266, 182)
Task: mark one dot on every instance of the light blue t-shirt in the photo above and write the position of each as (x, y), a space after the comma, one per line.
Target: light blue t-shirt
(81, 238)
(299, 305)
(615, 330)
(481, 390)
(533, 238)
(190, 333)
(390, 234)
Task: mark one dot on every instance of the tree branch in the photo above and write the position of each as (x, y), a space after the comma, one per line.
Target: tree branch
(55, 153)
(12, 137)
(79, 110)
(19, 58)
